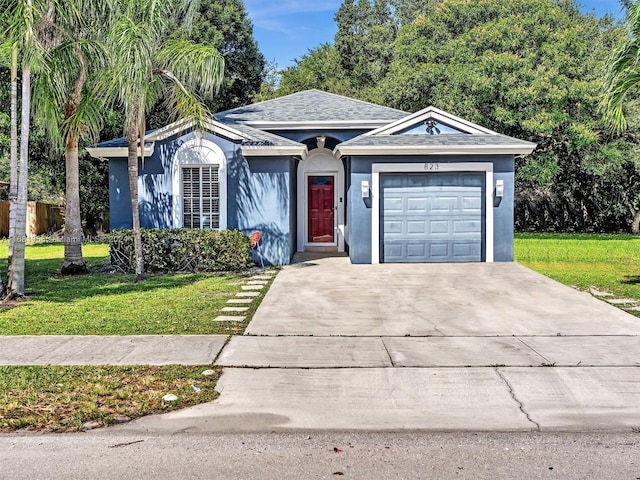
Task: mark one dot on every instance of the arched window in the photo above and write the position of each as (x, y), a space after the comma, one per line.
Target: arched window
(199, 177)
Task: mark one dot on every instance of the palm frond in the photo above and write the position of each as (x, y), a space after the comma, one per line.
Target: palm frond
(622, 75)
(195, 66)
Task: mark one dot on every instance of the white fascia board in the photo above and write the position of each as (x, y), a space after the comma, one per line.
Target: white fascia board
(317, 125)
(440, 150)
(435, 113)
(118, 152)
(259, 151)
(210, 125)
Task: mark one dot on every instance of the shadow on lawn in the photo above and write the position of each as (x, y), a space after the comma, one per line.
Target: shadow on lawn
(44, 282)
(631, 280)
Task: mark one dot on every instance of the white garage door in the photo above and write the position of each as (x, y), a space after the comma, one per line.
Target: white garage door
(434, 217)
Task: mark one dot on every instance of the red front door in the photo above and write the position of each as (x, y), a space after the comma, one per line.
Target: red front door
(321, 209)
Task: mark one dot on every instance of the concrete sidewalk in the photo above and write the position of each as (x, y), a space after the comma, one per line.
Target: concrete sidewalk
(367, 352)
(111, 350)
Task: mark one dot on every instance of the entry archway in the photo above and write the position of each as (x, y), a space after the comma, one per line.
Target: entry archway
(321, 202)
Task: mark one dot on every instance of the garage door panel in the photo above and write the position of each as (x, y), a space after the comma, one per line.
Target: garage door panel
(416, 227)
(393, 204)
(417, 205)
(432, 217)
(465, 227)
(393, 227)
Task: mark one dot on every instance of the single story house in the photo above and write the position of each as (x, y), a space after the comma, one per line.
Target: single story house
(318, 172)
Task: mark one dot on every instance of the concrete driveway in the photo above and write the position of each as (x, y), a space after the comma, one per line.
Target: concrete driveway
(472, 347)
(331, 297)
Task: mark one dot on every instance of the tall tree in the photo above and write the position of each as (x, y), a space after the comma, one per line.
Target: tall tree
(319, 68)
(224, 25)
(64, 102)
(364, 40)
(146, 66)
(25, 22)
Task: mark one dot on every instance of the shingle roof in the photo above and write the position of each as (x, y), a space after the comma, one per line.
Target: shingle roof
(311, 106)
(261, 138)
(463, 139)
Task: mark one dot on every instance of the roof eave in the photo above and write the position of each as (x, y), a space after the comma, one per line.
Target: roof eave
(119, 152)
(274, 151)
(347, 150)
(183, 125)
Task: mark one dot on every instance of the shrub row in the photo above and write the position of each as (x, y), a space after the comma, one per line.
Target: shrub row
(181, 250)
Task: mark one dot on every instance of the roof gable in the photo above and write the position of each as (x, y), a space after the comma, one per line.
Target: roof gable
(433, 131)
(416, 123)
(252, 141)
(311, 108)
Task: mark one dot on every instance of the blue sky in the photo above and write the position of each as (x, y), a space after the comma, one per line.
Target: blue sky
(287, 29)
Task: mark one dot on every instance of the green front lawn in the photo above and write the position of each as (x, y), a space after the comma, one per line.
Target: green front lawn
(103, 303)
(608, 262)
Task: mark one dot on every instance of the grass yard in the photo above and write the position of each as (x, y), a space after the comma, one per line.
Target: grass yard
(608, 262)
(62, 399)
(102, 303)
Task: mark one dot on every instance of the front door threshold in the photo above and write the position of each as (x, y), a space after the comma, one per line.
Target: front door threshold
(320, 249)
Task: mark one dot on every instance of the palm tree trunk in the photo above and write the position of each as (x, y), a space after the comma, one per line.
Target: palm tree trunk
(132, 166)
(635, 224)
(73, 262)
(16, 278)
(13, 162)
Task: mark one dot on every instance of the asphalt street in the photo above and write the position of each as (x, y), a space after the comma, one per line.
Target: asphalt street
(107, 454)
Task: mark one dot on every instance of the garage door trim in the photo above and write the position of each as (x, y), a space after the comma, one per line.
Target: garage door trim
(443, 167)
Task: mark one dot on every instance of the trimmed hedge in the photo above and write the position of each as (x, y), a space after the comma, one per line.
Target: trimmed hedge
(181, 250)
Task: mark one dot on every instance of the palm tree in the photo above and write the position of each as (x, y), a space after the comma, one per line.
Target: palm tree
(69, 108)
(623, 73)
(146, 67)
(21, 19)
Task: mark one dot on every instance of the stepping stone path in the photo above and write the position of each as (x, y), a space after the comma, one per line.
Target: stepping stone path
(249, 293)
(628, 303)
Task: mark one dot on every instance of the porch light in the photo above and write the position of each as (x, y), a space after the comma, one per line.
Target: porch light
(499, 188)
(365, 189)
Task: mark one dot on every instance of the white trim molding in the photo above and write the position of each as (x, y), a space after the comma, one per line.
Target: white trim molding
(522, 148)
(120, 152)
(321, 162)
(197, 152)
(181, 126)
(378, 168)
(266, 151)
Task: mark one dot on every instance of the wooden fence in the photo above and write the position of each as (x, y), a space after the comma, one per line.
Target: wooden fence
(41, 218)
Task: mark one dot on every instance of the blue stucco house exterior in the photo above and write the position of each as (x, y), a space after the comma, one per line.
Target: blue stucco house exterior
(318, 172)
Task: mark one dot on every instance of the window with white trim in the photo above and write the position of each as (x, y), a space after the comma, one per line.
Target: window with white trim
(201, 196)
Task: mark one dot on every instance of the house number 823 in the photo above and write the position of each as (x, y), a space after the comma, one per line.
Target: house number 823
(431, 167)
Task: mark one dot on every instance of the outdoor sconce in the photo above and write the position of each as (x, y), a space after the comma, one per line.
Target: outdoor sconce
(365, 189)
(499, 188)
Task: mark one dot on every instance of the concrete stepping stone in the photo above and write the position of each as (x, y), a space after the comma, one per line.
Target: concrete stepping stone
(247, 294)
(262, 277)
(240, 300)
(257, 282)
(235, 309)
(598, 293)
(252, 287)
(229, 318)
(622, 301)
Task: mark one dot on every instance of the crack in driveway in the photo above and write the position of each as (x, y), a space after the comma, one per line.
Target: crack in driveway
(515, 398)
